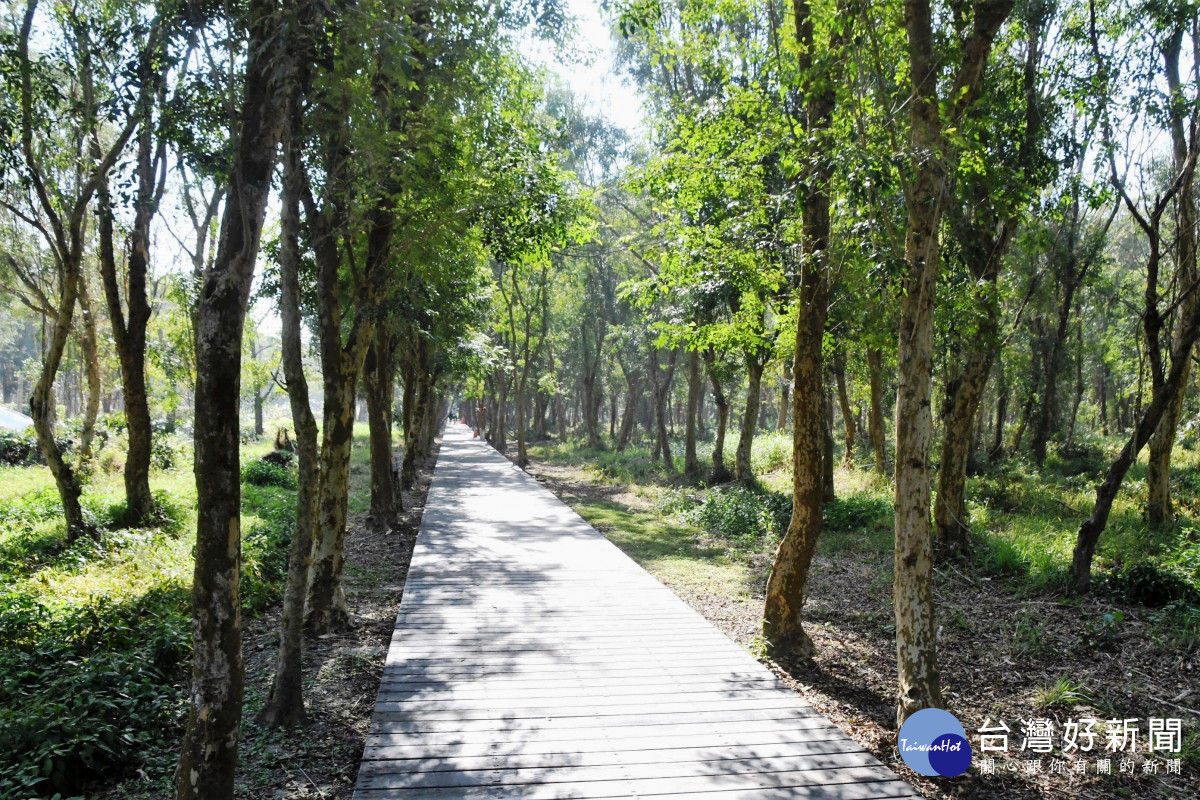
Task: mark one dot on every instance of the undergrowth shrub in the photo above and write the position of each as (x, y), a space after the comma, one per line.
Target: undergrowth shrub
(86, 690)
(96, 689)
(772, 452)
(743, 516)
(18, 448)
(262, 472)
(33, 536)
(266, 535)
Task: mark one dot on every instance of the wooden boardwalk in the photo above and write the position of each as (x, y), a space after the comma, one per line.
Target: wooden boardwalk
(533, 659)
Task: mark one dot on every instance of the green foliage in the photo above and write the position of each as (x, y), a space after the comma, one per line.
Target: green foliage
(1062, 692)
(19, 448)
(746, 517)
(86, 690)
(1028, 636)
(267, 524)
(1153, 584)
(1103, 632)
(32, 535)
(772, 453)
(262, 472)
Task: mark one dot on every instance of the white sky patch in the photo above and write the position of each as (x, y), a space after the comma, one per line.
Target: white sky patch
(591, 75)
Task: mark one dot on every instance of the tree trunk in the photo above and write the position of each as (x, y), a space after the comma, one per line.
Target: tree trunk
(258, 415)
(379, 385)
(785, 406)
(963, 396)
(787, 582)
(848, 419)
(691, 464)
(208, 757)
(741, 463)
(1159, 510)
(326, 609)
(629, 414)
(720, 473)
(1077, 398)
(415, 415)
(827, 450)
(997, 448)
(42, 409)
(1047, 406)
(875, 420)
(91, 369)
(661, 382)
(591, 407)
(284, 705)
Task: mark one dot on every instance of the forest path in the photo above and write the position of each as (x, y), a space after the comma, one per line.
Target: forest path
(533, 659)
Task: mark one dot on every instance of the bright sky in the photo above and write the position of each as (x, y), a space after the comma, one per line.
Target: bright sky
(592, 78)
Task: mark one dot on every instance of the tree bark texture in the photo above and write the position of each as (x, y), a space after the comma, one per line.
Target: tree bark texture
(916, 642)
(742, 470)
(788, 579)
(284, 705)
(208, 756)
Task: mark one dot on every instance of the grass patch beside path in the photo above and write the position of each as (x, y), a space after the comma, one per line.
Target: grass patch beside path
(97, 638)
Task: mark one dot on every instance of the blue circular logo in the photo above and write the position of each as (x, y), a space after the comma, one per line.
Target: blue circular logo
(932, 742)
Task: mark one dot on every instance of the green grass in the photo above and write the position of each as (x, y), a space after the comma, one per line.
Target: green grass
(97, 634)
(671, 550)
(1024, 520)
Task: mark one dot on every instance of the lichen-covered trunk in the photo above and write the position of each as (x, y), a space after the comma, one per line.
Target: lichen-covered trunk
(741, 461)
(129, 332)
(326, 607)
(208, 756)
(912, 588)
(963, 397)
(785, 406)
(285, 701)
(691, 464)
(415, 413)
(788, 579)
(1159, 508)
(785, 593)
(875, 420)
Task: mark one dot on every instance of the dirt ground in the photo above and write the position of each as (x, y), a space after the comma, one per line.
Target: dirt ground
(343, 671)
(996, 648)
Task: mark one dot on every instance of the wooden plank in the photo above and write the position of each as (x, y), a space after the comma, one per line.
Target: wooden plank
(820, 780)
(566, 729)
(655, 755)
(832, 765)
(532, 659)
(714, 741)
(649, 720)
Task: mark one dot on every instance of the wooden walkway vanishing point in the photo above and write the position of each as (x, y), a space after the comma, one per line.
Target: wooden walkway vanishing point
(533, 659)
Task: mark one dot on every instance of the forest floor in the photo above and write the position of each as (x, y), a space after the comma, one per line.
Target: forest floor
(1011, 647)
(343, 669)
